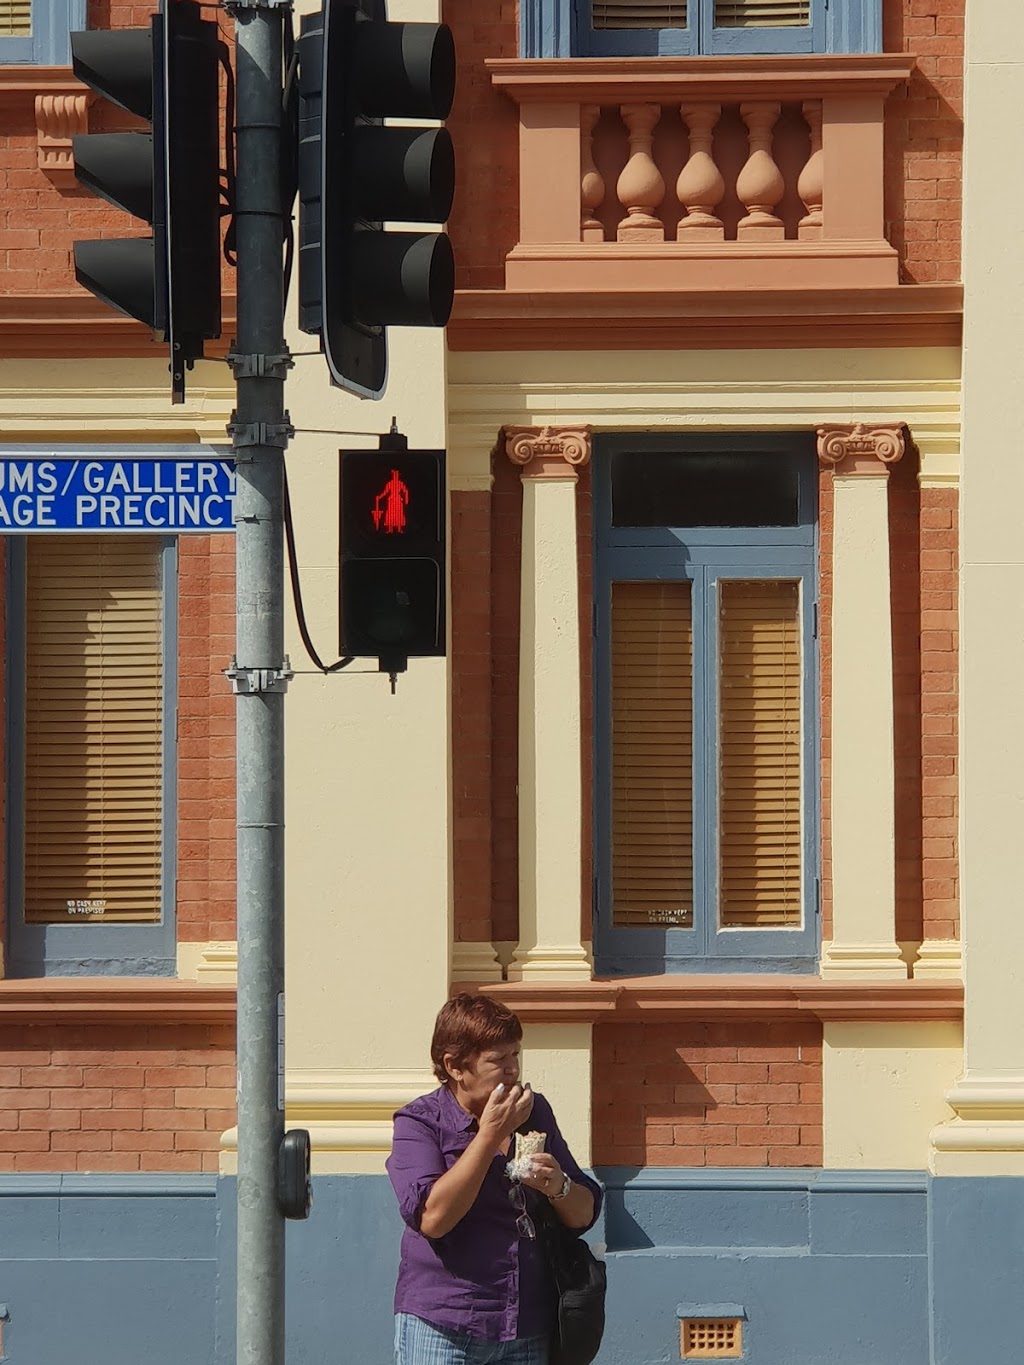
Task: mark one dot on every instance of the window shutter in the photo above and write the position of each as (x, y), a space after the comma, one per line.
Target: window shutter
(638, 14)
(15, 18)
(652, 755)
(760, 811)
(762, 13)
(93, 729)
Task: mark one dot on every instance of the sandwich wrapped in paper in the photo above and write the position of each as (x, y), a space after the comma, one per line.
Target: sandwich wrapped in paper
(527, 1147)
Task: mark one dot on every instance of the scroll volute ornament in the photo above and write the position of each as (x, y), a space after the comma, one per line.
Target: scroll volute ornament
(547, 452)
(861, 448)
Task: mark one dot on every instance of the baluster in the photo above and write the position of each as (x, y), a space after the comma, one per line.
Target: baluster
(592, 184)
(640, 187)
(760, 185)
(811, 185)
(700, 186)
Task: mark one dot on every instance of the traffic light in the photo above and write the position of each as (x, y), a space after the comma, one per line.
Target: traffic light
(356, 279)
(392, 553)
(169, 176)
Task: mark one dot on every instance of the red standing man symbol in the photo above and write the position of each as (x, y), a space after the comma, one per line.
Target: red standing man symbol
(390, 504)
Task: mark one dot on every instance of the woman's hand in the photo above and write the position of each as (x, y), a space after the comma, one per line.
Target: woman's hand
(506, 1109)
(545, 1175)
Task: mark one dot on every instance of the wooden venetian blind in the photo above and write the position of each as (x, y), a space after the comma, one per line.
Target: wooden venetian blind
(652, 755)
(762, 13)
(638, 13)
(15, 18)
(93, 729)
(760, 815)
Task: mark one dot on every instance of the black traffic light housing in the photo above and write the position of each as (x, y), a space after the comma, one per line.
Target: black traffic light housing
(355, 174)
(167, 74)
(393, 504)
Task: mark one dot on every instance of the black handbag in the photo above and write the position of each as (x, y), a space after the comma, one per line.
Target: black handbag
(579, 1280)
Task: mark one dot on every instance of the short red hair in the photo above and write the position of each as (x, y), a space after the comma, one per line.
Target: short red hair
(468, 1024)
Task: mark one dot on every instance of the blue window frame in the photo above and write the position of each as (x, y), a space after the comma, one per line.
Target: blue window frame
(49, 42)
(47, 944)
(567, 28)
(705, 572)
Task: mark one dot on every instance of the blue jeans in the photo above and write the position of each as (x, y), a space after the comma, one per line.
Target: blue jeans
(418, 1343)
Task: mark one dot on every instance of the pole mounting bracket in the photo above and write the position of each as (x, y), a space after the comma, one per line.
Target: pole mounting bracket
(251, 680)
(260, 433)
(232, 5)
(260, 366)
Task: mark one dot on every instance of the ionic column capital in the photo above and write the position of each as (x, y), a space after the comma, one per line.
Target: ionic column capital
(854, 448)
(547, 452)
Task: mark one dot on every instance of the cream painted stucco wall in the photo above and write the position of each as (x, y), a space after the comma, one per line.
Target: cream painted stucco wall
(883, 1087)
(986, 1136)
(557, 1063)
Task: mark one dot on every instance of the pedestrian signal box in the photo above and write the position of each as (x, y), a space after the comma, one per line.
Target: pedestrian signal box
(393, 553)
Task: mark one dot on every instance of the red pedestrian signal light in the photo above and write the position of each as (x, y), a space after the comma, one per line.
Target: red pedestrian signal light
(392, 567)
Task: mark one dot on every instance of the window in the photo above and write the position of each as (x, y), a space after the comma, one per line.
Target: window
(38, 31)
(619, 28)
(706, 704)
(90, 754)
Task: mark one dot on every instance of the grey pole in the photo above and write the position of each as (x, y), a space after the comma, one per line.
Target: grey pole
(259, 674)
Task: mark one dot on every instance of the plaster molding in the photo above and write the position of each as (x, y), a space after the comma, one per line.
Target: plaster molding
(939, 960)
(857, 448)
(986, 1136)
(545, 962)
(349, 1115)
(547, 452)
(863, 961)
(475, 962)
(730, 997)
(59, 118)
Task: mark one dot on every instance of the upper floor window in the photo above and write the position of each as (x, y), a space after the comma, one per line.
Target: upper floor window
(39, 31)
(706, 717)
(637, 28)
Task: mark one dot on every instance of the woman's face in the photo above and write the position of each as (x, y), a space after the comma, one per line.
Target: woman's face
(493, 1066)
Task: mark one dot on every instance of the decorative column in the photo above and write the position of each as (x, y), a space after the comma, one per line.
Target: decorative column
(592, 181)
(811, 184)
(863, 802)
(640, 187)
(759, 184)
(700, 186)
(550, 739)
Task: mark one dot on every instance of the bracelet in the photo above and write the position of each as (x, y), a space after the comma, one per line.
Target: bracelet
(566, 1187)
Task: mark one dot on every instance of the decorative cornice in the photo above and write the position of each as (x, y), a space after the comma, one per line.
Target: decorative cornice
(861, 448)
(79, 326)
(729, 997)
(912, 315)
(114, 1000)
(547, 452)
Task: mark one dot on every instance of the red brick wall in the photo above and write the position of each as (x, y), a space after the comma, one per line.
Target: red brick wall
(506, 541)
(484, 225)
(206, 739)
(939, 696)
(692, 1094)
(905, 588)
(924, 139)
(100, 1097)
(471, 713)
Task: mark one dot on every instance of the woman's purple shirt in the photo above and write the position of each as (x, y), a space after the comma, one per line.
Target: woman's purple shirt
(481, 1277)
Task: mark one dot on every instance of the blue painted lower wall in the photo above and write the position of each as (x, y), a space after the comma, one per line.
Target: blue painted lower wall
(826, 1267)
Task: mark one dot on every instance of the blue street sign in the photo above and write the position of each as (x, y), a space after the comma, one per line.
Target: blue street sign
(68, 493)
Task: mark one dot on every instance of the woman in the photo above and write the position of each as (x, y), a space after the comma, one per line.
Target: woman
(472, 1288)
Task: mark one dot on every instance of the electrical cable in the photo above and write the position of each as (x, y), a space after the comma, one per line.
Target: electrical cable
(296, 586)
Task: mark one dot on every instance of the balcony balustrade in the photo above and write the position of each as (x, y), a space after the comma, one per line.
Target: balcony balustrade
(701, 173)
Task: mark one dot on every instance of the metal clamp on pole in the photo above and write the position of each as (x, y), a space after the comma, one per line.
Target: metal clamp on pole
(232, 6)
(245, 680)
(260, 366)
(260, 433)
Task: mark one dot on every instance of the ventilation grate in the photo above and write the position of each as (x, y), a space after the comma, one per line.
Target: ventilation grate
(711, 1338)
(638, 14)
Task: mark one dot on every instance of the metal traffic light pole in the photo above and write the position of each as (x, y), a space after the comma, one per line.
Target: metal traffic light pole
(260, 430)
